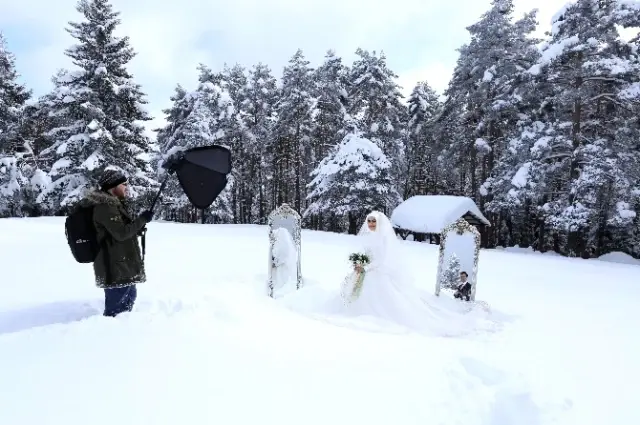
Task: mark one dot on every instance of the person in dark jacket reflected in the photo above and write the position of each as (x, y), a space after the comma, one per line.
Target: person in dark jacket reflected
(463, 288)
(119, 266)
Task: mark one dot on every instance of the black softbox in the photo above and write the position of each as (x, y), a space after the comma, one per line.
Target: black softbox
(202, 173)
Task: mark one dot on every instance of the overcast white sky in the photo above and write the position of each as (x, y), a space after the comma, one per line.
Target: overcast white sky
(419, 37)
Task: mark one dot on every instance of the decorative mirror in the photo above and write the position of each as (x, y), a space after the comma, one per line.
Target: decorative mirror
(459, 251)
(283, 217)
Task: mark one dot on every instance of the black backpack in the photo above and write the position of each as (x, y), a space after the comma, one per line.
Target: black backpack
(81, 234)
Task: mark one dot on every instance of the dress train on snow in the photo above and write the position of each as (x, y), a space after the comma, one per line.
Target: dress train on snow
(388, 295)
(385, 297)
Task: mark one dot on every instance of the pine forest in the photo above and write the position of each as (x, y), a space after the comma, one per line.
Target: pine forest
(543, 134)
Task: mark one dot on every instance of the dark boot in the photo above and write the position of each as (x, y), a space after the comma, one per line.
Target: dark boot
(119, 300)
(132, 295)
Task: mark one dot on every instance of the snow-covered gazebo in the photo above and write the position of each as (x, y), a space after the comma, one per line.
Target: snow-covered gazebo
(427, 215)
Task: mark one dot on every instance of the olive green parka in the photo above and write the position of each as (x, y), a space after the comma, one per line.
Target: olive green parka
(119, 262)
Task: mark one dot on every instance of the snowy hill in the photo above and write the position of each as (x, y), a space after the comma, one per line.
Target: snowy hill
(205, 346)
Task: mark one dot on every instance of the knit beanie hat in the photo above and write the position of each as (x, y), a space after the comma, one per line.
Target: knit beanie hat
(111, 179)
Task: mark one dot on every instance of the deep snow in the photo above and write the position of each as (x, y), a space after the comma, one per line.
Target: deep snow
(204, 344)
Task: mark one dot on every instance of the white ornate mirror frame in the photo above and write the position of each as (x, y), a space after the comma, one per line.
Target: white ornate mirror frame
(460, 227)
(287, 217)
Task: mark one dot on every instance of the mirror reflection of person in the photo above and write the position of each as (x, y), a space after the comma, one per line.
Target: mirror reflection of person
(463, 288)
(284, 258)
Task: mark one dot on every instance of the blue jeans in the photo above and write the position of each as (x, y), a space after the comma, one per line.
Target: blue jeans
(119, 300)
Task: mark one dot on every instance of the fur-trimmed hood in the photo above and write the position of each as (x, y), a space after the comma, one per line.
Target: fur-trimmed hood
(98, 197)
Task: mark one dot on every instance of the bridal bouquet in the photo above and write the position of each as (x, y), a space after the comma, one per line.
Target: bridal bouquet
(354, 289)
(359, 259)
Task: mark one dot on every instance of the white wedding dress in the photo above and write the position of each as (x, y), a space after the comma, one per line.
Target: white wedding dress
(388, 292)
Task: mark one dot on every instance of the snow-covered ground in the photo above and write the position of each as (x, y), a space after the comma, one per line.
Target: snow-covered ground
(204, 345)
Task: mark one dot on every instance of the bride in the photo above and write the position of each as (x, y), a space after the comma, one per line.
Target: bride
(387, 291)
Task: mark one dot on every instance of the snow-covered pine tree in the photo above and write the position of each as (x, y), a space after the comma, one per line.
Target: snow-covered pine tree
(375, 100)
(207, 122)
(38, 118)
(259, 117)
(329, 114)
(331, 96)
(11, 183)
(451, 274)
(175, 117)
(13, 96)
(102, 110)
(630, 243)
(291, 150)
(585, 161)
(504, 100)
(16, 162)
(235, 82)
(223, 129)
(36, 122)
(352, 180)
(422, 147)
(483, 102)
(448, 127)
(43, 116)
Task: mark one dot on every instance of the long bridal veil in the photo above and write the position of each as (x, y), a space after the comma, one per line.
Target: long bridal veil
(384, 247)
